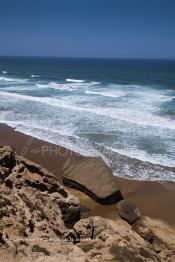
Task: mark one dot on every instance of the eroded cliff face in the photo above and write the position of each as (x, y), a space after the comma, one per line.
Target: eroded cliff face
(40, 221)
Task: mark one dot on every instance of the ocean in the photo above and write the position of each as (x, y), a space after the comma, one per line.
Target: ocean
(121, 110)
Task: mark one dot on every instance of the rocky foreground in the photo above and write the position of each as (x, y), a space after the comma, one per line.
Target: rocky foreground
(40, 221)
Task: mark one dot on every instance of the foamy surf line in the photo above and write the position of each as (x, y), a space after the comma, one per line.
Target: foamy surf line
(137, 167)
(40, 134)
(139, 174)
(143, 156)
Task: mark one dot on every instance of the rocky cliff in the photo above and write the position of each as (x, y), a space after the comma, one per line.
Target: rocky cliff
(40, 221)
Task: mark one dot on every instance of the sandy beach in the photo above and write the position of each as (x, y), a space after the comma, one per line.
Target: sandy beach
(154, 199)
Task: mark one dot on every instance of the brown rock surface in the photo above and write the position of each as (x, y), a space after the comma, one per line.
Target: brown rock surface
(107, 241)
(33, 204)
(160, 235)
(93, 177)
(40, 222)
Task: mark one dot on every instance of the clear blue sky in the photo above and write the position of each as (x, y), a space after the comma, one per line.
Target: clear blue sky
(88, 28)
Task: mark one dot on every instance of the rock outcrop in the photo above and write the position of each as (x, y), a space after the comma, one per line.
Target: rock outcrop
(107, 241)
(30, 197)
(40, 221)
(93, 177)
(160, 236)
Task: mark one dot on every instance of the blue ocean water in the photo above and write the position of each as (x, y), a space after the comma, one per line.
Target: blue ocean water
(121, 110)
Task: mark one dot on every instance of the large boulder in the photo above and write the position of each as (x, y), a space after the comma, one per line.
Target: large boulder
(93, 177)
(128, 211)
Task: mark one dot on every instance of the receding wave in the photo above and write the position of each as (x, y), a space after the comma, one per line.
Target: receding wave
(74, 80)
(144, 156)
(138, 164)
(62, 138)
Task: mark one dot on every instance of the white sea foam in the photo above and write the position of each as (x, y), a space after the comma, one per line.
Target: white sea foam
(126, 115)
(74, 80)
(60, 137)
(105, 93)
(149, 167)
(4, 72)
(144, 156)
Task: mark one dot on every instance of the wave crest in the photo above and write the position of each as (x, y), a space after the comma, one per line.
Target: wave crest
(70, 80)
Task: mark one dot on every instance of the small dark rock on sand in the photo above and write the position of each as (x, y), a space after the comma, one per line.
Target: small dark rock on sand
(128, 211)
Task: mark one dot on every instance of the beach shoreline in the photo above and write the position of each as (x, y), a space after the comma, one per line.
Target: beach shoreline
(154, 199)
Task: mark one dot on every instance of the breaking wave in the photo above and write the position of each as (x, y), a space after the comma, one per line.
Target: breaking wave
(74, 80)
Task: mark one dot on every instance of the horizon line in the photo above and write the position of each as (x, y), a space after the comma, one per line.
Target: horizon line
(84, 57)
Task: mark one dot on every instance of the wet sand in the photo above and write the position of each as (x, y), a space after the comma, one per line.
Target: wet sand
(155, 199)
